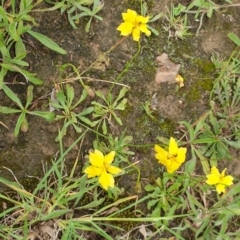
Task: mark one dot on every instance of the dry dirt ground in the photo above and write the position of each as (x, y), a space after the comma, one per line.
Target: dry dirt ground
(25, 154)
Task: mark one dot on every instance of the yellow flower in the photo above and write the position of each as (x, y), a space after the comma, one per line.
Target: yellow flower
(172, 159)
(101, 167)
(133, 24)
(220, 180)
(179, 79)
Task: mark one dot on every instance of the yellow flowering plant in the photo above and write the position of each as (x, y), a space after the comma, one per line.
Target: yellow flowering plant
(134, 24)
(101, 167)
(173, 158)
(220, 180)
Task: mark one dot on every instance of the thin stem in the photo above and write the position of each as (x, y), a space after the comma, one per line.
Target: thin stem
(104, 54)
(127, 67)
(214, 8)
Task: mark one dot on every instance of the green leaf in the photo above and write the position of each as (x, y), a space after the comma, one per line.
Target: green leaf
(82, 98)
(190, 130)
(12, 96)
(104, 127)
(29, 96)
(49, 116)
(149, 188)
(92, 204)
(20, 47)
(210, 11)
(234, 38)
(122, 105)
(86, 111)
(156, 17)
(70, 95)
(29, 76)
(3, 15)
(190, 166)
(121, 95)
(88, 25)
(3, 73)
(55, 214)
(151, 203)
(47, 42)
(234, 144)
(7, 110)
(118, 120)
(13, 31)
(20, 120)
(85, 120)
(61, 98)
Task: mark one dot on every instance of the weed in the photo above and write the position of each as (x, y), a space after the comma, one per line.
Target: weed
(70, 112)
(22, 122)
(13, 24)
(105, 112)
(77, 9)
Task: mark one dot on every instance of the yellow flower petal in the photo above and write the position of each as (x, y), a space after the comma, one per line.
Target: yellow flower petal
(108, 159)
(172, 167)
(179, 79)
(136, 34)
(125, 28)
(158, 149)
(114, 170)
(227, 180)
(220, 180)
(212, 179)
(92, 171)
(96, 158)
(143, 28)
(215, 171)
(106, 180)
(130, 16)
(223, 172)
(161, 155)
(220, 188)
(173, 147)
(181, 155)
(141, 19)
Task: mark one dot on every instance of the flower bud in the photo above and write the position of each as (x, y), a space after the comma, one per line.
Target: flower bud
(90, 91)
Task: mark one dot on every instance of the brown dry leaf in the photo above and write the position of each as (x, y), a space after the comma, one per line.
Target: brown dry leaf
(102, 62)
(49, 230)
(167, 71)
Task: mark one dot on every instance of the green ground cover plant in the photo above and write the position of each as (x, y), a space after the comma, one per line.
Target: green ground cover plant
(77, 9)
(187, 201)
(22, 123)
(15, 21)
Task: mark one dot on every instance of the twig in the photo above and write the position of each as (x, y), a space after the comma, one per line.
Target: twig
(200, 23)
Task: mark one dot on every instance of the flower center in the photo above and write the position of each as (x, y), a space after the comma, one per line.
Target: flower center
(170, 156)
(105, 167)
